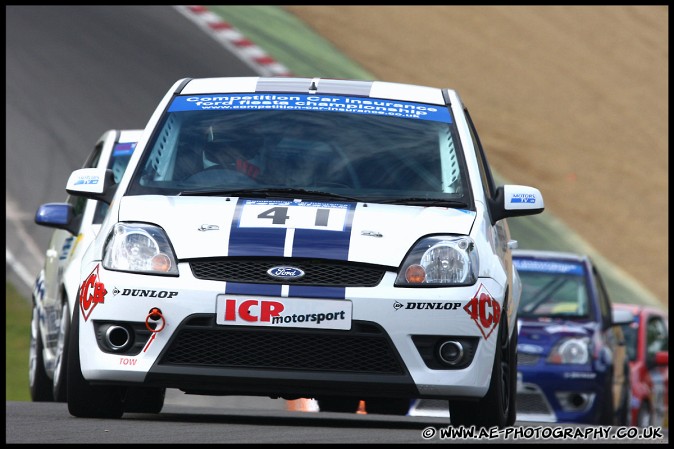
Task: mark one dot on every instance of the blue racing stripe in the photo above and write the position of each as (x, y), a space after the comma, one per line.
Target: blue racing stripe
(324, 244)
(254, 241)
(303, 291)
(234, 288)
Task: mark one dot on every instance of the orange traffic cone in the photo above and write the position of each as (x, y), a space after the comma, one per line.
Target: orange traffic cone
(294, 405)
(301, 405)
(361, 408)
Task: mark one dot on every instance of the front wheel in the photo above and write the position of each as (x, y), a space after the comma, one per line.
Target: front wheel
(84, 400)
(498, 407)
(606, 407)
(39, 383)
(60, 364)
(624, 412)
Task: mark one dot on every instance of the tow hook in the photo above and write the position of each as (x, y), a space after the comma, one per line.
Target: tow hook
(155, 315)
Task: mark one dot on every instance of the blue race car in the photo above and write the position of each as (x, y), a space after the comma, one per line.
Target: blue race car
(572, 362)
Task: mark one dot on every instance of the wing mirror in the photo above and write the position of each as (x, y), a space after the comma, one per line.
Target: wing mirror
(59, 216)
(94, 183)
(515, 201)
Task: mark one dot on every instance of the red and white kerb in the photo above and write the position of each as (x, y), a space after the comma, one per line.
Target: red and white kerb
(233, 40)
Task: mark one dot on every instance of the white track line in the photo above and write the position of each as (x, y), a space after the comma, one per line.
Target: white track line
(20, 270)
(13, 218)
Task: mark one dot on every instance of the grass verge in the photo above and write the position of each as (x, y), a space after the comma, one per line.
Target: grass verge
(17, 342)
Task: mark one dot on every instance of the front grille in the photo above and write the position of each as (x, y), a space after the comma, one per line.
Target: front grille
(528, 402)
(366, 348)
(318, 272)
(532, 405)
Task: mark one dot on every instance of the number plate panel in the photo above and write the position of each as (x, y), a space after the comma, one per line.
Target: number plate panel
(293, 214)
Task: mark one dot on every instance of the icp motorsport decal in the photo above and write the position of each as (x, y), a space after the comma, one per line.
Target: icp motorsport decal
(92, 293)
(484, 310)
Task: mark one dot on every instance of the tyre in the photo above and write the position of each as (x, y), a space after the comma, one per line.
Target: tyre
(39, 383)
(61, 361)
(338, 404)
(512, 409)
(84, 400)
(624, 412)
(607, 409)
(644, 416)
(497, 408)
(144, 399)
(387, 406)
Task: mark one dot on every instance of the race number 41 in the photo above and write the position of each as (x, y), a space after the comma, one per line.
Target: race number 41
(293, 214)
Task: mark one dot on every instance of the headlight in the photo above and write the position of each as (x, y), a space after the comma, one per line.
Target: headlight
(440, 261)
(573, 351)
(140, 248)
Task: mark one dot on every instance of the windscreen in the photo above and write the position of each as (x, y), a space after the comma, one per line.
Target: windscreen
(119, 159)
(350, 145)
(552, 289)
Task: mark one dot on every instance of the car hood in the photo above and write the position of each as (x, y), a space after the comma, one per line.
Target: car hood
(538, 337)
(207, 226)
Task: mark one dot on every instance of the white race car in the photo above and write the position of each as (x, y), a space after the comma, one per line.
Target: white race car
(76, 223)
(302, 238)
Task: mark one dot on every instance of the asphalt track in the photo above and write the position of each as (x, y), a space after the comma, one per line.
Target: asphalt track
(73, 72)
(250, 424)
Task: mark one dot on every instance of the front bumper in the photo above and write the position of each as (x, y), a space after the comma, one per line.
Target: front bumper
(569, 394)
(389, 348)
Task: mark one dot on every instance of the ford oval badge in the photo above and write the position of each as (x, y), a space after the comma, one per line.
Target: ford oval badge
(285, 272)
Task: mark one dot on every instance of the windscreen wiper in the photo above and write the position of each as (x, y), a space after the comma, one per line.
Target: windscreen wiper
(423, 202)
(269, 193)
